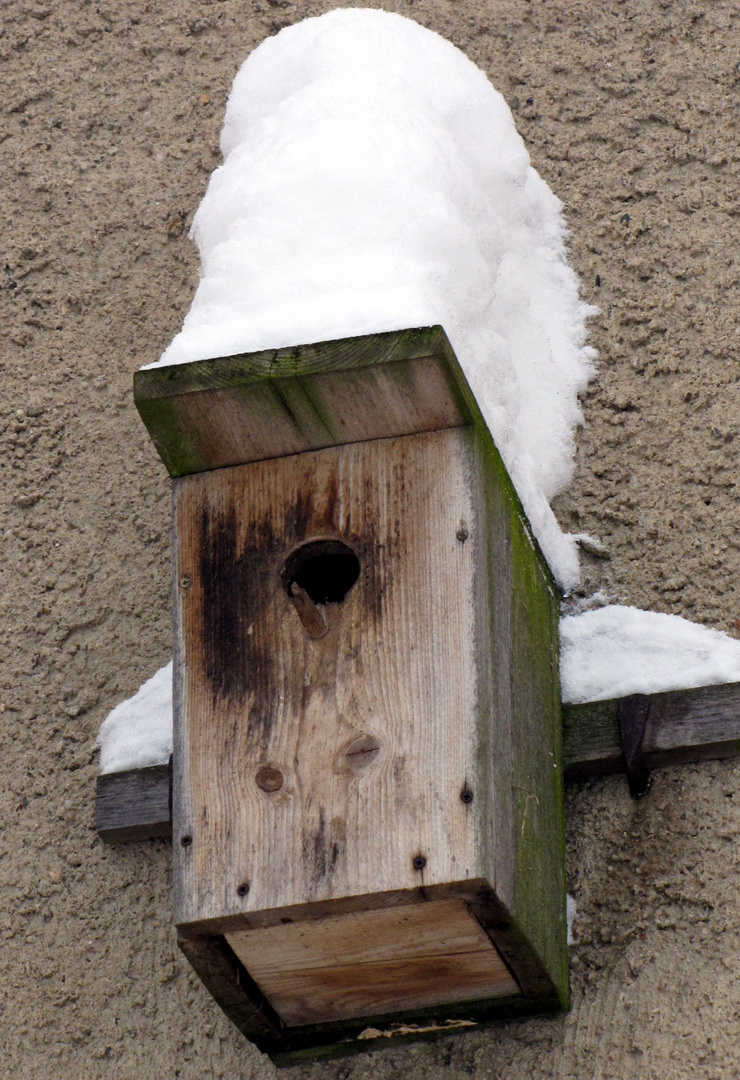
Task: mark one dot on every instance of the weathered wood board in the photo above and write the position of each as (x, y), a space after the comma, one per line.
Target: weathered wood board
(682, 726)
(362, 963)
(214, 413)
(397, 664)
(699, 724)
(134, 805)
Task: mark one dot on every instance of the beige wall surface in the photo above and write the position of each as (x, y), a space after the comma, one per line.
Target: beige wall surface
(109, 120)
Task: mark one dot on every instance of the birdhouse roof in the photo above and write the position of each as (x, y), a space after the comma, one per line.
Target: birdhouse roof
(236, 409)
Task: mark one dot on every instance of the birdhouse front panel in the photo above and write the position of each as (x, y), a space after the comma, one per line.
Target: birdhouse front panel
(329, 627)
(367, 805)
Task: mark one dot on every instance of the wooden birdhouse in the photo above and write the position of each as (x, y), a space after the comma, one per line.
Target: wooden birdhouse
(367, 800)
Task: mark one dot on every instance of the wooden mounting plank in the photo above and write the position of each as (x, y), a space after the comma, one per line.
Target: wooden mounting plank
(134, 805)
(682, 726)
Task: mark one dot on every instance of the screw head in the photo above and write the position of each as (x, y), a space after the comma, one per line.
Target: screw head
(186, 840)
(466, 795)
(462, 533)
(185, 582)
(419, 862)
(243, 888)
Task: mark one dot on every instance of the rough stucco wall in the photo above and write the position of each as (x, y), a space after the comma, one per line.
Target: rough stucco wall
(108, 131)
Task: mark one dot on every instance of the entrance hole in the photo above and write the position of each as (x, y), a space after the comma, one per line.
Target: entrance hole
(324, 569)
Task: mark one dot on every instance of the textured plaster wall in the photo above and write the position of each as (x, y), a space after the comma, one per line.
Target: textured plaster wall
(109, 119)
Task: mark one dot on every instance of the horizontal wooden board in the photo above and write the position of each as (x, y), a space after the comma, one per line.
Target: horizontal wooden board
(341, 993)
(134, 805)
(365, 964)
(234, 410)
(396, 933)
(342, 354)
(684, 726)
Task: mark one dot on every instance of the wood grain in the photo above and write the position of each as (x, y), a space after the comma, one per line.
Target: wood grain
(342, 354)
(364, 963)
(343, 993)
(682, 726)
(134, 805)
(404, 932)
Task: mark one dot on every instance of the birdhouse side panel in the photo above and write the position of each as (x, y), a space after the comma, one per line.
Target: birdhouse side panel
(525, 731)
(324, 746)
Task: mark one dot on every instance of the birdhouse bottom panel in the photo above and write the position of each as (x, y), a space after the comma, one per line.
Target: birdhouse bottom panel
(368, 963)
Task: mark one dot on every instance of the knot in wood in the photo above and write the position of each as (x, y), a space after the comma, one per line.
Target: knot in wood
(269, 779)
(361, 753)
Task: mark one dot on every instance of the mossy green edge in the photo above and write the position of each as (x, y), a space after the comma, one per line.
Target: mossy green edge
(536, 620)
(539, 905)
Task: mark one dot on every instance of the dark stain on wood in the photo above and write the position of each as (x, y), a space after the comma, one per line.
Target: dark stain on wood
(321, 850)
(331, 496)
(374, 578)
(234, 589)
(299, 519)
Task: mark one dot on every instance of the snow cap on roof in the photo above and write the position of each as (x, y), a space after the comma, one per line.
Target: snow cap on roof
(373, 179)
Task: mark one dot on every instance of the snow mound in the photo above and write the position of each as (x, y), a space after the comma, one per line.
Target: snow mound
(373, 180)
(138, 732)
(615, 651)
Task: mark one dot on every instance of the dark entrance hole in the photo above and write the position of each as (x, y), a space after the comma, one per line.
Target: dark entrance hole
(325, 569)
